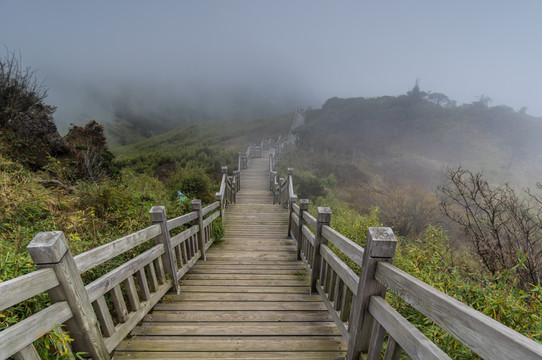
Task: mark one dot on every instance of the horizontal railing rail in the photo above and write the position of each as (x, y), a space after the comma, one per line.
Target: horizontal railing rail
(363, 317)
(100, 314)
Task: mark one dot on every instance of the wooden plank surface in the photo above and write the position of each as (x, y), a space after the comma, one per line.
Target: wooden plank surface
(249, 300)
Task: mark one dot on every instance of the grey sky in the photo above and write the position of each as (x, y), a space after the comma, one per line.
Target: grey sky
(309, 50)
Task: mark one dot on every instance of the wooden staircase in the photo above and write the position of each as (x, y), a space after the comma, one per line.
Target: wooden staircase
(249, 300)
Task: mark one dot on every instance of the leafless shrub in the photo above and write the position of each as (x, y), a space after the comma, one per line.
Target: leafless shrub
(502, 226)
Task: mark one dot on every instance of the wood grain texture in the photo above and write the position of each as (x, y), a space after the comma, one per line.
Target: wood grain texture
(485, 336)
(344, 244)
(24, 287)
(27, 353)
(108, 281)
(181, 220)
(101, 254)
(18, 336)
(249, 300)
(345, 273)
(416, 345)
(83, 325)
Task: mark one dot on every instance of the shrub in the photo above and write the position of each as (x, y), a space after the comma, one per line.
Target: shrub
(193, 182)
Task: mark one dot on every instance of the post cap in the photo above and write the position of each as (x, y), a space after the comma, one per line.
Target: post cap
(196, 204)
(48, 247)
(303, 204)
(290, 171)
(381, 242)
(158, 213)
(324, 214)
(224, 169)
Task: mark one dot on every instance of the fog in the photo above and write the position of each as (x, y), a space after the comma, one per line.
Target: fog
(254, 58)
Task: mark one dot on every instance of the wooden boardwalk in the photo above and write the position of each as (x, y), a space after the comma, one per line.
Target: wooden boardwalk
(249, 300)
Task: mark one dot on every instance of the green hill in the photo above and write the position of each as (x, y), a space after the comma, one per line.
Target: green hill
(209, 145)
(410, 139)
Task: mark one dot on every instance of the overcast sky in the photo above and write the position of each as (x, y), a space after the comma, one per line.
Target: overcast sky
(306, 50)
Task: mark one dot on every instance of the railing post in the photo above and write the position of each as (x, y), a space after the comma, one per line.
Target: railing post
(291, 200)
(237, 176)
(281, 200)
(380, 246)
(273, 176)
(218, 197)
(50, 250)
(234, 187)
(291, 203)
(158, 216)
(303, 206)
(323, 218)
(196, 206)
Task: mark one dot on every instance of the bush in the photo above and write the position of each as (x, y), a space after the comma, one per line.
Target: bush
(308, 186)
(193, 182)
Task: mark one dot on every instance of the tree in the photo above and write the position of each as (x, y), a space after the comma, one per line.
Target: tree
(439, 99)
(502, 227)
(19, 87)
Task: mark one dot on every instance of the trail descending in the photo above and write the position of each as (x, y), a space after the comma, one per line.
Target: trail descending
(249, 300)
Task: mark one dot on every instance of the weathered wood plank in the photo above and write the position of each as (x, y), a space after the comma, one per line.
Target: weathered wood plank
(417, 345)
(246, 276)
(143, 284)
(104, 317)
(245, 283)
(233, 355)
(183, 236)
(233, 305)
(181, 220)
(50, 250)
(26, 286)
(344, 244)
(345, 273)
(228, 343)
(210, 208)
(186, 267)
(27, 353)
(238, 315)
(237, 328)
(23, 333)
(123, 330)
(119, 304)
(311, 220)
(210, 219)
(108, 281)
(229, 296)
(334, 314)
(101, 254)
(247, 289)
(308, 235)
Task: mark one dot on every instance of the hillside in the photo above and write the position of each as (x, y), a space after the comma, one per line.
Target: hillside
(411, 139)
(209, 145)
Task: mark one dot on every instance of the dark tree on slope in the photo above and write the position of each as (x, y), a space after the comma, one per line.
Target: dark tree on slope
(92, 160)
(501, 226)
(26, 123)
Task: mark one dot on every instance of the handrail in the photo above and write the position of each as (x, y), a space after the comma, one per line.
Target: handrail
(350, 298)
(356, 303)
(95, 329)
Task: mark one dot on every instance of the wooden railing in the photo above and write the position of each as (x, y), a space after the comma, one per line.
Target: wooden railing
(85, 309)
(357, 303)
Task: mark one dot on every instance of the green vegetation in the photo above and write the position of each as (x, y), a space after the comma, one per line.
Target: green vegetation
(432, 258)
(377, 162)
(74, 184)
(373, 161)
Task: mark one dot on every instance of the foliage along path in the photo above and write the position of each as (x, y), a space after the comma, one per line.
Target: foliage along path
(249, 300)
